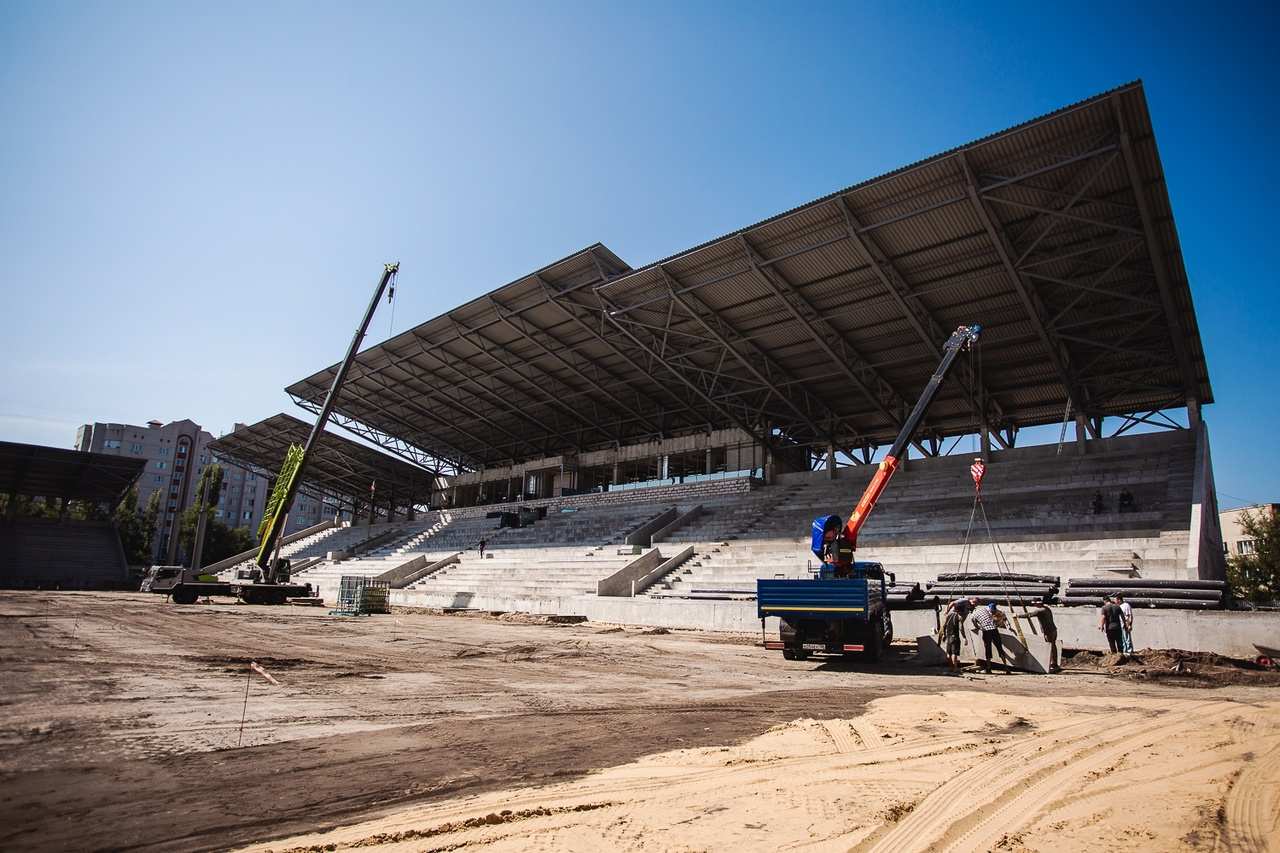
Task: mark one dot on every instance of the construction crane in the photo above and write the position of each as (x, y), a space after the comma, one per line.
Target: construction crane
(267, 562)
(844, 609)
(269, 584)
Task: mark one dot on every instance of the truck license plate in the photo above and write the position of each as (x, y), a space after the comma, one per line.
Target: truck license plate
(814, 647)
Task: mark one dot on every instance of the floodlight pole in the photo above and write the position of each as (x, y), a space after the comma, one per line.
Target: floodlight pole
(278, 520)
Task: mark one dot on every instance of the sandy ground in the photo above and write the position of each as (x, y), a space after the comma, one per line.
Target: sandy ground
(121, 718)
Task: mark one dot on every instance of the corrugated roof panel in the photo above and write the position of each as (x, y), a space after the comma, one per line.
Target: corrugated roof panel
(929, 240)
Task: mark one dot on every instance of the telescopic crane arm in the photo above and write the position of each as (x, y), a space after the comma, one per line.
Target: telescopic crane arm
(266, 555)
(961, 338)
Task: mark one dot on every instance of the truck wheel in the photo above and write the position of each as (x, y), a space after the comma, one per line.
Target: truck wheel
(874, 644)
(183, 595)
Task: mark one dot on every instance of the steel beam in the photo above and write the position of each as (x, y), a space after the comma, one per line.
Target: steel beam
(805, 417)
(810, 319)
(742, 425)
(563, 301)
(1054, 349)
(502, 309)
(1158, 262)
(930, 332)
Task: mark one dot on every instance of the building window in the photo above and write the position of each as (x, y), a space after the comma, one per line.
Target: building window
(1247, 547)
(160, 479)
(182, 450)
(135, 448)
(248, 515)
(111, 444)
(162, 465)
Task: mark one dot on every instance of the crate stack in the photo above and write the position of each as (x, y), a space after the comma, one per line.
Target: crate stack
(1143, 592)
(361, 596)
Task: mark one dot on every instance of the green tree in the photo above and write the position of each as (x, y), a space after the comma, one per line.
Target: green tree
(150, 521)
(220, 540)
(1256, 576)
(133, 537)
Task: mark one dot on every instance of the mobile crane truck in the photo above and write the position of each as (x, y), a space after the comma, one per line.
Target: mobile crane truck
(269, 583)
(844, 609)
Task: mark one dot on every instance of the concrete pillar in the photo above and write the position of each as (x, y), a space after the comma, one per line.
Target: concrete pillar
(1193, 412)
(984, 434)
(831, 461)
(1082, 433)
(707, 468)
(617, 473)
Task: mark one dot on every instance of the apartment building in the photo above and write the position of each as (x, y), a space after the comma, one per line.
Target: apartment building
(1235, 541)
(176, 453)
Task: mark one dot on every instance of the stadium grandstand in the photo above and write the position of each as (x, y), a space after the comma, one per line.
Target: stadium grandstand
(41, 544)
(669, 431)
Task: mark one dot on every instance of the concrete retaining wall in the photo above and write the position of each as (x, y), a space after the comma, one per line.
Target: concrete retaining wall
(1225, 632)
(1205, 559)
(1237, 634)
(416, 569)
(643, 535)
(620, 582)
(661, 534)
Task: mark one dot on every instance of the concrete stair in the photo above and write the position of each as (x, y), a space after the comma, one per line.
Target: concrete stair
(1038, 504)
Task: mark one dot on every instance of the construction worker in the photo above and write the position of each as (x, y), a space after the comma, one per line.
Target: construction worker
(482, 544)
(1126, 625)
(984, 622)
(952, 624)
(1111, 623)
(1048, 630)
(963, 606)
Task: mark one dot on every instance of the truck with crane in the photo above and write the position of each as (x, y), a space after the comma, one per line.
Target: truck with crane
(844, 609)
(268, 582)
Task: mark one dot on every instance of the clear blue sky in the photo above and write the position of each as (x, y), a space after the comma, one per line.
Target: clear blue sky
(196, 199)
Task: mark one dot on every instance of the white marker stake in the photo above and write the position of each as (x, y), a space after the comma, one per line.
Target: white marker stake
(253, 667)
(258, 669)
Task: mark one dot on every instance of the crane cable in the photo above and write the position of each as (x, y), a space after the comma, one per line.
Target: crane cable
(391, 297)
(966, 552)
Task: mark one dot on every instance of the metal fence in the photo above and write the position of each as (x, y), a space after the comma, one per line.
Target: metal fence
(360, 596)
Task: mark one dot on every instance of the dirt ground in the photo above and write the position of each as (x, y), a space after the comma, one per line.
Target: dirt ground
(120, 727)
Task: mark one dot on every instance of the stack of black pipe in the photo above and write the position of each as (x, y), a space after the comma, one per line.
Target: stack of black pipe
(1141, 592)
(909, 596)
(994, 586)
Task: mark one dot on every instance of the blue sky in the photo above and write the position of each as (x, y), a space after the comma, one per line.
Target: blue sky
(196, 200)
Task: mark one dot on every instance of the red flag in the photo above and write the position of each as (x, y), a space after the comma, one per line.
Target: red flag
(977, 470)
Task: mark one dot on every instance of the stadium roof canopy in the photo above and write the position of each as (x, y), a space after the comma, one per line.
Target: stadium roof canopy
(55, 472)
(822, 324)
(340, 468)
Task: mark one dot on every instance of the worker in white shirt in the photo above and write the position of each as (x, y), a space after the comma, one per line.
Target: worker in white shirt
(1126, 625)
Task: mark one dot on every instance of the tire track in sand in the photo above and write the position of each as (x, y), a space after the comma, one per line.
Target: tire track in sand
(1020, 806)
(1253, 806)
(933, 821)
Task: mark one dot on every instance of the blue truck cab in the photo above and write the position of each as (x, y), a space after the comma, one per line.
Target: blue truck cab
(843, 610)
